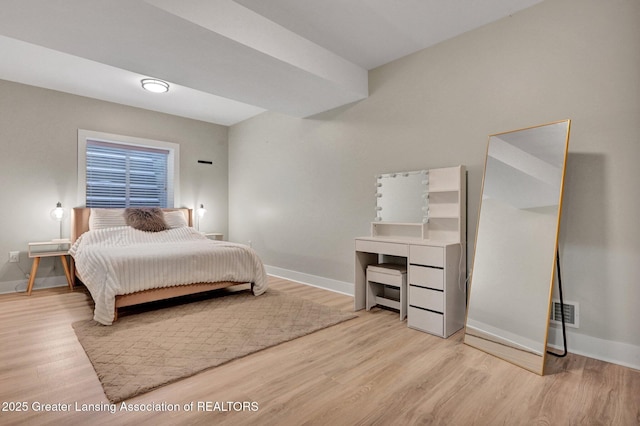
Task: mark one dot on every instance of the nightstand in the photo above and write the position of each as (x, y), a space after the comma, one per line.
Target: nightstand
(214, 236)
(58, 248)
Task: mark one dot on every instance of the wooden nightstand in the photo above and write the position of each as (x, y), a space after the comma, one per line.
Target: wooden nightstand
(59, 248)
(214, 236)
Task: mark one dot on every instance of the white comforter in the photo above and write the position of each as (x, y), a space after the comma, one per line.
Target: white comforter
(124, 260)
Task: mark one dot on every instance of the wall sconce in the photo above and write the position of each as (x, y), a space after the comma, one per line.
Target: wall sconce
(154, 85)
(58, 214)
(200, 212)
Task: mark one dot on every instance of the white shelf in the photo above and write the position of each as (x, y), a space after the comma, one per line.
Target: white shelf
(444, 180)
(442, 189)
(446, 211)
(404, 230)
(59, 247)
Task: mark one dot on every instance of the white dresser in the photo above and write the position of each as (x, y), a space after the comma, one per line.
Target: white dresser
(434, 255)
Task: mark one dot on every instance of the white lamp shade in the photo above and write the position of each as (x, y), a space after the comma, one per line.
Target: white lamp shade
(58, 213)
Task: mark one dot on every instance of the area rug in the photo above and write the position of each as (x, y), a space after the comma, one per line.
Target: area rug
(147, 350)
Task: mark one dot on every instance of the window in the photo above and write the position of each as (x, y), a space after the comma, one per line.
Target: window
(121, 171)
(125, 176)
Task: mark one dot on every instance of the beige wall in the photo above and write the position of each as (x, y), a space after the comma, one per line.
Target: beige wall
(302, 189)
(38, 166)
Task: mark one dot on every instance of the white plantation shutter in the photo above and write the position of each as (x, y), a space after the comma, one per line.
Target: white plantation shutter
(120, 175)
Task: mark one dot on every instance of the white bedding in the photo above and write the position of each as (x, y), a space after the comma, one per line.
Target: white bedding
(123, 260)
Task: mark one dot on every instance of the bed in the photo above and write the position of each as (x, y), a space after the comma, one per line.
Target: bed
(123, 265)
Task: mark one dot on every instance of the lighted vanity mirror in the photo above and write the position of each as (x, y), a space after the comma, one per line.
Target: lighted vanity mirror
(402, 197)
(516, 243)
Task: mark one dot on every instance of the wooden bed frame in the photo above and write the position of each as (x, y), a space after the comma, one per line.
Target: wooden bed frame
(80, 224)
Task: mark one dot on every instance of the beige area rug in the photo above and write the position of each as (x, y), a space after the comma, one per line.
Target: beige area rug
(144, 351)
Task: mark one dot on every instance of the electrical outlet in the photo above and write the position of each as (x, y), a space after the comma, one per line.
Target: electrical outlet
(14, 256)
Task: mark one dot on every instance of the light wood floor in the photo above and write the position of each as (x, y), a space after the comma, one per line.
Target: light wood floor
(371, 370)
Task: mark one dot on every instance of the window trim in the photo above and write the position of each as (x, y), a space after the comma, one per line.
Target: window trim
(173, 163)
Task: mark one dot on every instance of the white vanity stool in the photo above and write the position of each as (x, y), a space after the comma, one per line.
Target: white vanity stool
(387, 274)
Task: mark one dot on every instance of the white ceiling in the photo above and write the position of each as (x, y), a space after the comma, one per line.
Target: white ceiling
(226, 60)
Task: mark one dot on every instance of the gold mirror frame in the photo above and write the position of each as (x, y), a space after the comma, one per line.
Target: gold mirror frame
(516, 244)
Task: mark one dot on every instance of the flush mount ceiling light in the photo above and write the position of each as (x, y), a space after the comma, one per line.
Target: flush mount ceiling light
(155, 86)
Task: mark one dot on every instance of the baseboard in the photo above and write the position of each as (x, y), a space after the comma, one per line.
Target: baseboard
(312, 280)
(20, 286)
(619, 353)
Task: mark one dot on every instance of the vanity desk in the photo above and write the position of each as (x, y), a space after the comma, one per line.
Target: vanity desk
(435, 276)
(433, 252)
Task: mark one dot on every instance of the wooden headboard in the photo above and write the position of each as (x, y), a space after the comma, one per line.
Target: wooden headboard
(80, 220)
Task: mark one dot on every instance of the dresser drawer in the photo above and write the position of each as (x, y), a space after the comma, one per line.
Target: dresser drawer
(426, 277)
(380, 247)
(428, 321)
(426, 298)
(390, 279)
(426, 255)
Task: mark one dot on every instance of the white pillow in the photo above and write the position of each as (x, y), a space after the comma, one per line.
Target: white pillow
(175, 219)
(106, 218)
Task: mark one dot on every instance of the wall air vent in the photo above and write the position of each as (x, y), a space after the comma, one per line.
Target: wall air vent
(571, 313)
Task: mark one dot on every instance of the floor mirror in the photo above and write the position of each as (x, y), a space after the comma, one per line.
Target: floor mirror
(516, 243)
